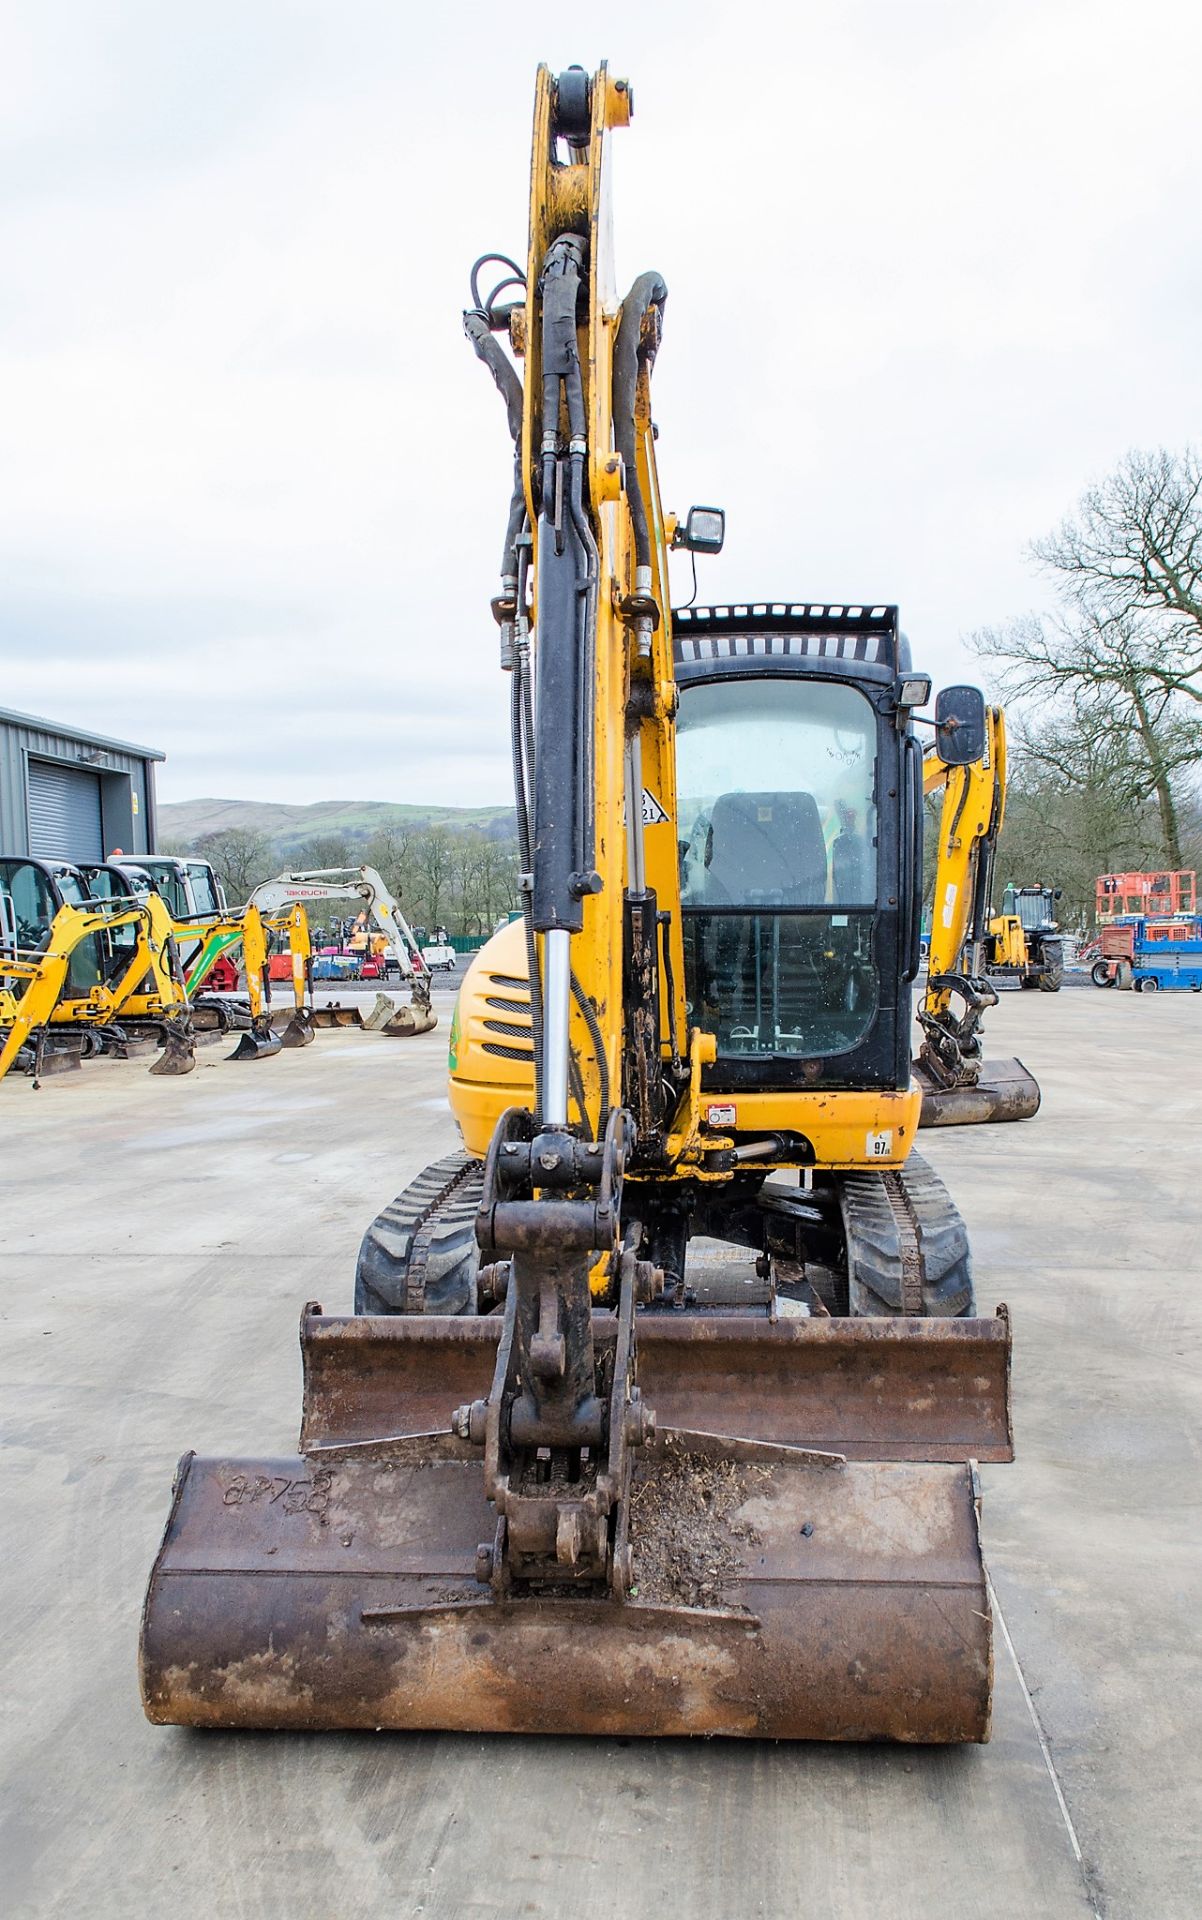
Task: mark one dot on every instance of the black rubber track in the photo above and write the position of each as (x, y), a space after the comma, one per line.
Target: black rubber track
(877, 1244)
(420, 1254)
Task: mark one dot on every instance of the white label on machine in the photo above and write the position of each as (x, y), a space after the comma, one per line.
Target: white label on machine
(879, 1146)
(720, 1116)
(949, 903)
(654, 813)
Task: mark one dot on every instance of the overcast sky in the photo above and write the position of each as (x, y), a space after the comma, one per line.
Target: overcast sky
(932, 267)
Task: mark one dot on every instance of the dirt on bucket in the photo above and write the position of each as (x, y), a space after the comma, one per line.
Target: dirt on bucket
(684, 1533)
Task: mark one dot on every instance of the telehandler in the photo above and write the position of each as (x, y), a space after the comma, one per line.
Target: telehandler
(1023, 943)
(660, 1410)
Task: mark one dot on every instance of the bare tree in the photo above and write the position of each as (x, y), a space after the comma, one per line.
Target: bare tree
(1073, 811)
(486, 880)
(390, 852)
(434, 868)
(1118, 670)
(1132, 554)
(241, 857)
(1090, 679)
(326, 850)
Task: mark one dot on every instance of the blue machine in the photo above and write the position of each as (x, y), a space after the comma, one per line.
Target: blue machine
(1171, 964)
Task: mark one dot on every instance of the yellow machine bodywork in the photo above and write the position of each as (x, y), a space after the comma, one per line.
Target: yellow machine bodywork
(1008, 941)
(147, 985)
(974, 807)
(488, 1073)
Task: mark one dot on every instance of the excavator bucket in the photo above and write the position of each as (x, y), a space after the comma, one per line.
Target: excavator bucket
(179, 1049)
(337, 1015)
(299, 1031)
(775, 1586)
(400, 1021)
(1004, 1090)
(259, 1042)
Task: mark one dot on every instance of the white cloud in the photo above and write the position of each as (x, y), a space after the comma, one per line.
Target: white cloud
(929, 272)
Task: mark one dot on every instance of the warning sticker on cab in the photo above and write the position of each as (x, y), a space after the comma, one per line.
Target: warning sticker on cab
(654, 812)
(879, 1146)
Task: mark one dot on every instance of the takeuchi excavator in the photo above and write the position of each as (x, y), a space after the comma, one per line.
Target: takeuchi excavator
(661, 1406)
(296, 892)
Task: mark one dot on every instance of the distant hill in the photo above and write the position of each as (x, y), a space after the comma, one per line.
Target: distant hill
(186, 821)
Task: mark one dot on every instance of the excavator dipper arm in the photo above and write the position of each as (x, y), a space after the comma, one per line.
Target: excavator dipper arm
(960, 1087)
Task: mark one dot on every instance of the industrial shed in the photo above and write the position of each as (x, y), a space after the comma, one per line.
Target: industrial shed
(70, 795)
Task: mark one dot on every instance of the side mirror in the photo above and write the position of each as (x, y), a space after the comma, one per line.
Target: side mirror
(960, 725)
(704, 530)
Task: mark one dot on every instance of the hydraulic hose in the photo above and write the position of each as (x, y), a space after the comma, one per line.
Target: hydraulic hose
(509, 386)
(630, 355)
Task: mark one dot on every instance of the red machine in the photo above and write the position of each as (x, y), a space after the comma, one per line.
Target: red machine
(1146, 895)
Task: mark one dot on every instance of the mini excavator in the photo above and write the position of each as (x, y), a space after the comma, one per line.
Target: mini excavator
(296, 892)
(660, 1409)
(99, 962)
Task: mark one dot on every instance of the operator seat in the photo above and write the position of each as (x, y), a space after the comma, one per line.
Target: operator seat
(765, 849)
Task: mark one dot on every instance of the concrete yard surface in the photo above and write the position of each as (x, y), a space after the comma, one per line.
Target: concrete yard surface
(160, 1237)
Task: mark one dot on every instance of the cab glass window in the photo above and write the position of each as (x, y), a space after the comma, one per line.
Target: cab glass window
(778, 852)
(777, 794)
(204, 893)
(32, 903)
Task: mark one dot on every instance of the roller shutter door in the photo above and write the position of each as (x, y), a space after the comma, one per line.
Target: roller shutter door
(64, 812)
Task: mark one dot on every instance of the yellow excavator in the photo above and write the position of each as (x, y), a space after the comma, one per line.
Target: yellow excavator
(133, 974)
(660, 1409)
(960, 1087)
(107, 971)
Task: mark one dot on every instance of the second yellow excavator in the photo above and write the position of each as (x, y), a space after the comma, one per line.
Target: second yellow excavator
(960, 1087)
(661, 1406)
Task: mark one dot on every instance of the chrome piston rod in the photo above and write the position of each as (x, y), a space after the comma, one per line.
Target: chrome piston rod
(557, 1003)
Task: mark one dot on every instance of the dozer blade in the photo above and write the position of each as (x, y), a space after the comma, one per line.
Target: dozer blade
(337, 1016)
(299, 1031)
(47, 1058)
(776, 1600)
(873, 1389)
(1003, 1091)
(256, 1044)
(386, 1017)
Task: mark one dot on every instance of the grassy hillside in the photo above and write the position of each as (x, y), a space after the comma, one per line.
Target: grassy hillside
(185, 821)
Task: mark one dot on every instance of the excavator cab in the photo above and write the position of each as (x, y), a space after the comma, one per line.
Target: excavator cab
(36, 889)
(798, 827)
